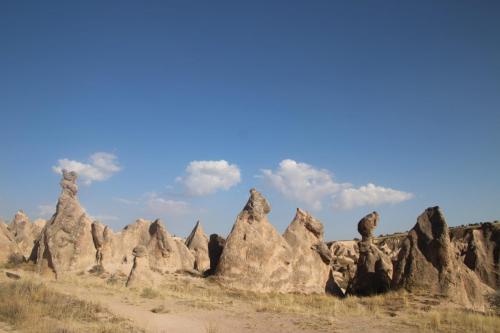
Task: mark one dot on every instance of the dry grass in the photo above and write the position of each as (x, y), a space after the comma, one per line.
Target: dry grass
(455, 321)
(33, 307)
(407, 312)
(150, 293)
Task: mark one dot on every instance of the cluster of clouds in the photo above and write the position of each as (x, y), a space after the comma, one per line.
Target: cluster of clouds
(207, 177)
(303, 183)
(296, 181)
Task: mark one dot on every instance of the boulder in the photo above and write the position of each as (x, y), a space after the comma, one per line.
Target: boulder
(427, 261)
(309, 261)
(374, 267)
(65, 244)
(197, 243)
(215, 246)
(255, 257)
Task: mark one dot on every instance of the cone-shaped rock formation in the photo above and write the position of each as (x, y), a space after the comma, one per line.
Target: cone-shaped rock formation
(255, 256)
(197, 242)
(310, 265)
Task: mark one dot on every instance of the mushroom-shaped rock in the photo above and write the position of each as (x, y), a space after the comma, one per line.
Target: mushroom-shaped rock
(374, 267)
(255, 256)
(426, 261)
(141, 274)
(65, 244)
(367, 224)
(197, 243)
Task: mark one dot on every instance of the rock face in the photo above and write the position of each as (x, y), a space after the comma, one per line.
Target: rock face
(374, 267)
(345, 255)
(478, 248)
(215, 246)
(310, 258)
(8, 246)
(24, 232)
(157, 249)
(255, 256)
(427, 261)
(166, 253)
(197, 243)
(65, 244)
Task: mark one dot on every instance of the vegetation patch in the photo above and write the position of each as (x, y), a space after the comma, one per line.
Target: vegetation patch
(33, 307)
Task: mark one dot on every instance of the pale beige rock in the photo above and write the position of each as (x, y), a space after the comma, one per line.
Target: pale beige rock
(345, 255)
(166, 253)
(427, 262)
(65, 244)
(255, 256)
(141, 275)
(197, 243)
(8, 247)
(310, 271)
(24, 232)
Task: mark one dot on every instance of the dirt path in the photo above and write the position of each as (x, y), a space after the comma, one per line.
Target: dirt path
(182, 316)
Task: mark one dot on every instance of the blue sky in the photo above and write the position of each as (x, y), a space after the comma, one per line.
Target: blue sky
(337, 107)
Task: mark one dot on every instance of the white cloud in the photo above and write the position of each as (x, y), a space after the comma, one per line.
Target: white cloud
(46, 211)
(207, 177)
(158, 205)
(369, 195)
(101, 166)
(302, 182)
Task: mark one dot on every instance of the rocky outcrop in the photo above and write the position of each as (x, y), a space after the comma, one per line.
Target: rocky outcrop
(374, 267)
(8, 247)
(157, 249)
(255, 256)
(478, 247)
(427, 261)
(310, 258)
(215, 246)
(197, 243)
(24, 232)
(65, 244)
(345, 255)
(166, 253)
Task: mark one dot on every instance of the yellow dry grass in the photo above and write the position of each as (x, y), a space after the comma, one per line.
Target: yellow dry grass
(33, 307)
(398, 310)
